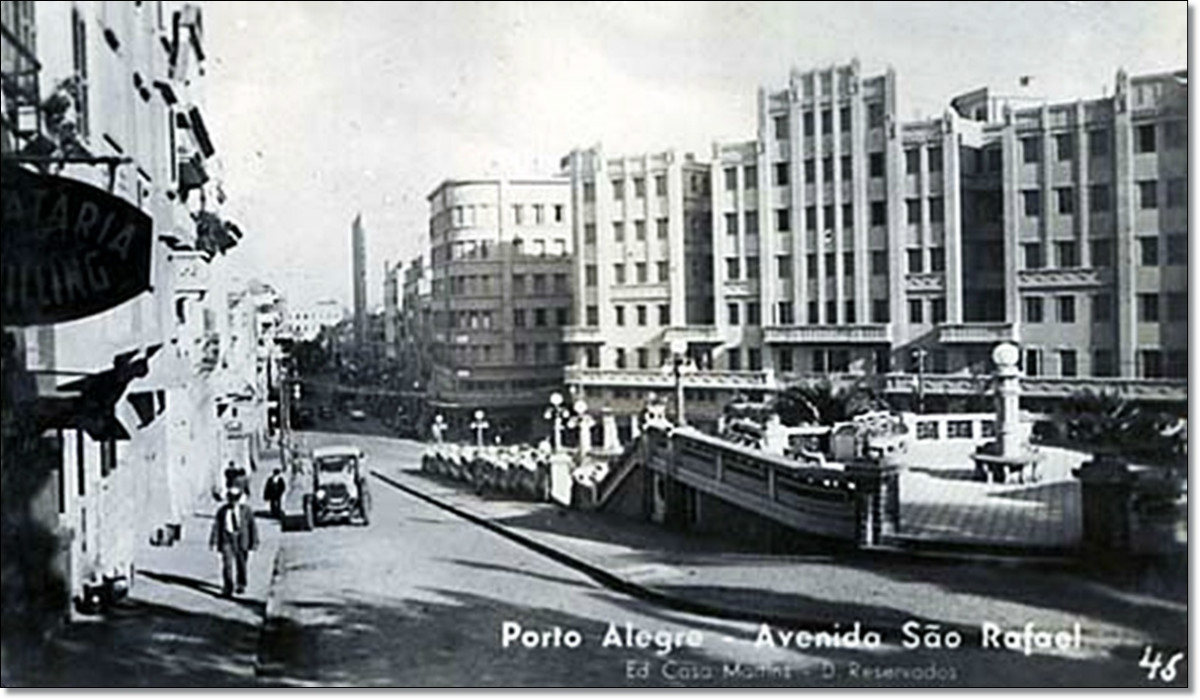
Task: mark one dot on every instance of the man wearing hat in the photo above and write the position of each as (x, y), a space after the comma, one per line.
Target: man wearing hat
(234, 535)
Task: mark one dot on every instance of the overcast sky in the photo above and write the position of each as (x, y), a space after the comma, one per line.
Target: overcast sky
(320, 110)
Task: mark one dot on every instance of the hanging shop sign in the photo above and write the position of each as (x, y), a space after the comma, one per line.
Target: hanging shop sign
(69, 250)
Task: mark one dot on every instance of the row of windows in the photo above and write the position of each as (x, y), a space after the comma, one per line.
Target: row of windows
(1149, 308)
(538, 212)
(639, 230)
(541, 317)
(1150, 252)
(481, 214)
(1099, 200)
(538, 287)
(482, 354)
(642, 314)
(697, 183)
(1145, 141)
(782, 122)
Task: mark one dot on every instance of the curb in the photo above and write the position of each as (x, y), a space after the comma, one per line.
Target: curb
(270, 624)
(652, 595)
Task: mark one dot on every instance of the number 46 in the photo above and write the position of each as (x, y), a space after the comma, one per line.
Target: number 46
(1155, 665)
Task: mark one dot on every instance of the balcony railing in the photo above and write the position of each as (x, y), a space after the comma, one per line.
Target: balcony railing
(851, 333)
(1002, 332)
(1040, 387)
(693, 334)
(662, 379)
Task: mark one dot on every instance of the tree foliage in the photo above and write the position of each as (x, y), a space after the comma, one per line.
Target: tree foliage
(824, 403)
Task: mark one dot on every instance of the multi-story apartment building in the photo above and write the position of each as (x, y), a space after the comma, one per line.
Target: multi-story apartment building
(847, 242)
(305, 323)
(499, 298)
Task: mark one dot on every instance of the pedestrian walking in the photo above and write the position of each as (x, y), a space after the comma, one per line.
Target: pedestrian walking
(234, 536)
(236, 478)
(273, 493)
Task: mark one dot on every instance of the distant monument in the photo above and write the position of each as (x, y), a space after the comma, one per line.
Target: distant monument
(1008, 453)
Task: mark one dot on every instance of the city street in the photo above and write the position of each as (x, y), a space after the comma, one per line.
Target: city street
(422, 597)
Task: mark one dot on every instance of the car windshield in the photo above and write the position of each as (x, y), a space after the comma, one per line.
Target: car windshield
(335, 464)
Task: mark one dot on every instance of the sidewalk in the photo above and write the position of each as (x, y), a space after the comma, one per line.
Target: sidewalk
(174, 629)
(880, 588)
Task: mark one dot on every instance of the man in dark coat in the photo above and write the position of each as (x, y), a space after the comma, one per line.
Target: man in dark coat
(273, 493)
(234, 535)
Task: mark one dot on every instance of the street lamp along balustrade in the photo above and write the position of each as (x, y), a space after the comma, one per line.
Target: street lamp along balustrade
(679, 365)
(557, 414)
(480, 426)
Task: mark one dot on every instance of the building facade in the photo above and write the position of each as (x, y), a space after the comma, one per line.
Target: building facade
(499, 298)
(845, 242)
(305, 323)
(105, 94)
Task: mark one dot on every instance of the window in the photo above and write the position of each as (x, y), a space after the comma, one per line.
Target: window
(826, 121)
(641, 272)
(1177, 306)
(589, 276)
(639, 230)
(664, 315)
(1034, 260)
(827, 169)
(935, 159)
(750, 177)
(731, 224)
(620, 358)
(811, 265)
(1102, 363)
(558, 213)
(847, 168)
(733, 315)
(1033, 362)
(520, 353)
(937, 210)
(1098, 143)
(1066, 309)
(518, 284)
(1148, 246)
(916, 260)
(937, 259)
(661, 269)
(848, 216)
(1033, 310)
(80, 62)
(639, 187)
(879, 213)
(993, 160)
(1150, 364)
(848, 263)
(733, 268)
(851, 312)
(960, 429)
(876, 164)
(913, 209)
(879, 262)
(539, 318)
(1177, 249)
(618, 188)
(1067, 253)
(618, 231)
(1148, 194)
(1064, 146)
(1099, 200)
(593, 316)
(781, 127)
(1177, 363)
(1066, 199)
(1032, 202)
(752, 267)
(660, 185)
(519, 318)
(783, 220)
(589, 233)
(733, 356)
(810, 218)
(730, 179)
(874, 115)
(831, 311)
(620, 315)
(813, 312)
(642, 317)
(785, 314)
(589, 192)
(1102, 250)
(539, 284)
(619, 273)
(783, 359)
(1031, 149)
(1102, 308)
(1148, 308)
(912, 161)
(937, 308)
(808, 124)
(1068, 363)
(1177, 193)
(880, 311)
(820, 361)
(844, 119)
(810, 170)
(661, 224)
(562, 316)
(643, 356)
(560, 283)
(753, 314)
(751, 223)
(781, 173)
(1145, 138)
(916, 311)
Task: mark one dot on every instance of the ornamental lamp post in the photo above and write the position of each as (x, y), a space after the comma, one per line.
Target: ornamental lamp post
(557, 414)
(584, 422)
(439, 428)
(479, 425)
(918, 356)
(680, 364)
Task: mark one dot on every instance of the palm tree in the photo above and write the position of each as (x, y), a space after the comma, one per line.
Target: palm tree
(823, 403)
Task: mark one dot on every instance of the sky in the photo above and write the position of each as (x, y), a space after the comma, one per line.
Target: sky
(322, 110)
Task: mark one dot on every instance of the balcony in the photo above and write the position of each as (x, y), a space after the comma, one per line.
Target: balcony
(1040, 387)
(871, 333)
(582, 335)
(710, 335)
(1068, 278)
(989, 333)
(660, 379)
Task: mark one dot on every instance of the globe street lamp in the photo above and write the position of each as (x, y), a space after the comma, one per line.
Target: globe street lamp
(479, 425)
(584, 422)
(557, 414)
(439, 428)
(918, 356)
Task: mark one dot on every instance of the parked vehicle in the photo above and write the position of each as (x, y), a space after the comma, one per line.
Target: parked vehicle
(339, 487)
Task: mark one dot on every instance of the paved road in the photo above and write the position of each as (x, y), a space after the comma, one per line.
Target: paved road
(422, 598)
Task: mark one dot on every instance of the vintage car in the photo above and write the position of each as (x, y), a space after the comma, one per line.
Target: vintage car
(339, 487)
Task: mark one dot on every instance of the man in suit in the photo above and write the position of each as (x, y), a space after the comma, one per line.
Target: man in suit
(234, 535)
(273, 493)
